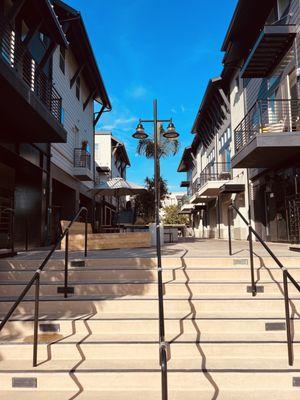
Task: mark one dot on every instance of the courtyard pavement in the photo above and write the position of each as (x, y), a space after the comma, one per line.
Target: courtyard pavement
(190, 248)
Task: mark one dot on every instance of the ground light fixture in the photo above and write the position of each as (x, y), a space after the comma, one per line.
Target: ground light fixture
(170, 134)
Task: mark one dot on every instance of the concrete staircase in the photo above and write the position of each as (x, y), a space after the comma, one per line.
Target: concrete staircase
(102, 342)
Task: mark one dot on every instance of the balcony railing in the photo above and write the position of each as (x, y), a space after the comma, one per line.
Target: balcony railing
(17, 56)
(82, 159)
(268, 116)
(212, 172)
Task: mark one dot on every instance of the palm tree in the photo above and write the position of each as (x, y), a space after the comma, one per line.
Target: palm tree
(166, 146)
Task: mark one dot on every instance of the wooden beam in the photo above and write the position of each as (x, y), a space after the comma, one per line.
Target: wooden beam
(48, 54)
(77, 73)
(90, 96)
(15, 9)
(32, 31)
(226, 102)
(96, 119)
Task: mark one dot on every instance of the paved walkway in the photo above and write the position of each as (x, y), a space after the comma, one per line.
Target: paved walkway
(190, 249)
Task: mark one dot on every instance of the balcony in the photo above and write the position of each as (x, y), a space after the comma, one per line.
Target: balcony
(211, 180)
(269, 134)
(29, 97)
(82, 165)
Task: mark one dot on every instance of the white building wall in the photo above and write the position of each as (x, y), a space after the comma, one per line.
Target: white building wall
(77, 122)
(237, 104)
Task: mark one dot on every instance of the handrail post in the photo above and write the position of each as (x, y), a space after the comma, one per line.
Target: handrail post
(288, 318)
(86, 233)
(66, 264)
(229, 229)
(12, 231)
(253, 285)
(36, 318)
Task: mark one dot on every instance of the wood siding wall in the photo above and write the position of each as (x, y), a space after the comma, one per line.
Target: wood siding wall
(74, 116)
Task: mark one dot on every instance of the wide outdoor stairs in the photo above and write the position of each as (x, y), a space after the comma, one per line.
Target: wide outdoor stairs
(102, 342)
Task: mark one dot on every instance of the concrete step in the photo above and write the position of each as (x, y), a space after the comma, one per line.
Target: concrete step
(147, 275)
(183, 385)
(146, 330)
(103, 260)
(93, 306)
(133, 356)
(173, 289)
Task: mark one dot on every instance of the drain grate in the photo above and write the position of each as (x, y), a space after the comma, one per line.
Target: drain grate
(70, 289)
(296, 381)
(49, 327)
(77, 263)
(275, 326)
(24, 382)
(240, 261)
(259, 289)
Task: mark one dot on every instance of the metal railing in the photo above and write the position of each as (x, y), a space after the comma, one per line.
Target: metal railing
(35, 280)
(268, 116)
(214, 171)
(287, 277)
(7, 224)
(18, 57)
(82, 158)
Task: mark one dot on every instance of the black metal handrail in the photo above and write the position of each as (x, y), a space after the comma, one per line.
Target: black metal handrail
(268, 116)
(286, 275)
(36, 280)
(11, 211)
(17, 55)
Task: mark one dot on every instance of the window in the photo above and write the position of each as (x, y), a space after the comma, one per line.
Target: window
(43, 38)
(62, 59)
(78, 87)
(282, 7)
(97, 151)
(211, 156)
(62, 116)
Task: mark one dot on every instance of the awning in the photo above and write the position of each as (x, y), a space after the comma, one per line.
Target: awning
(270, 48)
(232, 188)
(185, 184)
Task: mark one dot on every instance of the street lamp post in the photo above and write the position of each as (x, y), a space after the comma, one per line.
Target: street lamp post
(170, 134)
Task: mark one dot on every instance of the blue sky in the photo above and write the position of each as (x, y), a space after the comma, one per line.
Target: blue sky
(155, 49)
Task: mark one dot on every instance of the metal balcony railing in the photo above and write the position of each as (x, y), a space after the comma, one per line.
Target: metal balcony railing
(17, 56)
(212, 172)
(268, 116)
(82, 159)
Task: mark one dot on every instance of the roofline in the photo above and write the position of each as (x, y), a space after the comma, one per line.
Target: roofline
(210, 84)
(105, 101)
(232, 22)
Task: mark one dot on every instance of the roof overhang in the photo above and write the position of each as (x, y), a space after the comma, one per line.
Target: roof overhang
(186, 160)
(82, 50)
(120, 150)
(270, 48)
(248, 19)
(213, 112)
(51, 22)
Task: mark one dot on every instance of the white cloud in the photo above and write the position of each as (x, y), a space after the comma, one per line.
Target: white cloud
(119, 123)
(182, 108)
(138, 92)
